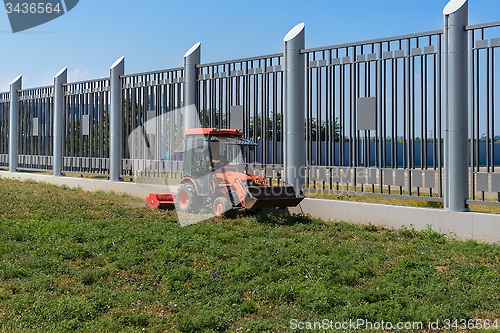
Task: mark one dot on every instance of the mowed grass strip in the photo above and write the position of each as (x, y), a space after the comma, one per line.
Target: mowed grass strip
(100, 262)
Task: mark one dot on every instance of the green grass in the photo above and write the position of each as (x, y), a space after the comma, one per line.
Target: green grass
(100, 262)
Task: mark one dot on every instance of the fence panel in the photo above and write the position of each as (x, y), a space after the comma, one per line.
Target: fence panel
(152, 123)
(377, 104)
(86, 123)
(484, 136)
(35, 146)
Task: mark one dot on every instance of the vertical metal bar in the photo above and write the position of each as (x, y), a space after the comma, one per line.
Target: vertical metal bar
(413, 111)
(308, 120)
(478, 86)
(487, 67)
(275, 138)
(368, 66)
(383, 119)
(282, 118)
(394, 104)
(342, 114)
(407, 114)
(318, 115)
(472, 118)
(438, 133)
(352, 106)
(265, 113)
(425, 109)
(493, 110)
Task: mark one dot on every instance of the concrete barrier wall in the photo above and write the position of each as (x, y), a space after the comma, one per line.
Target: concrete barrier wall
(482, 227)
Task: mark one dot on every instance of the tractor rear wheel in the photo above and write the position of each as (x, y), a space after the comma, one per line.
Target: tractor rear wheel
(221, 206)
(187, 199)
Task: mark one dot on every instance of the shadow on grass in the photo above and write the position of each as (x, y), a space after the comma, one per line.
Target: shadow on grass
(282, 219)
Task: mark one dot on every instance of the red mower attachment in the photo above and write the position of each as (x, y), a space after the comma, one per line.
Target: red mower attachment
(160, 200)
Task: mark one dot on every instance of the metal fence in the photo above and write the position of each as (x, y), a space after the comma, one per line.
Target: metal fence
(395, 151)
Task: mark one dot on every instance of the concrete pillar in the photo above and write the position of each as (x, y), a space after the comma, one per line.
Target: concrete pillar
(456, 104)
(60, 79)
(116, 120)
(14, 122)
(191, 59)
(294, 115)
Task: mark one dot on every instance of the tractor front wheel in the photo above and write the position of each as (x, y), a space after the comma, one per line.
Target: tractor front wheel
(221, 206)
(186, 199)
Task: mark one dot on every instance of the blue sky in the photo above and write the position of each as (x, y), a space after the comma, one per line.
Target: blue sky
(155, 34)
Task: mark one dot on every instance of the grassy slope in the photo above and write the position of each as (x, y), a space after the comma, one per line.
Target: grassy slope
(78, 261)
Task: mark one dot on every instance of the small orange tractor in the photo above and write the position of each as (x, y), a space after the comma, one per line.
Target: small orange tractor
(215, 175)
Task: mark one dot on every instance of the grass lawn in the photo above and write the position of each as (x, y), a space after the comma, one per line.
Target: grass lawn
(99, 262)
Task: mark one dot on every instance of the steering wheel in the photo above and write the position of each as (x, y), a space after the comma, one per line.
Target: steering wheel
(205, 166)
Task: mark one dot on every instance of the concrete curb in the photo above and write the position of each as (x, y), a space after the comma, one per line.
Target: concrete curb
(482, 227)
